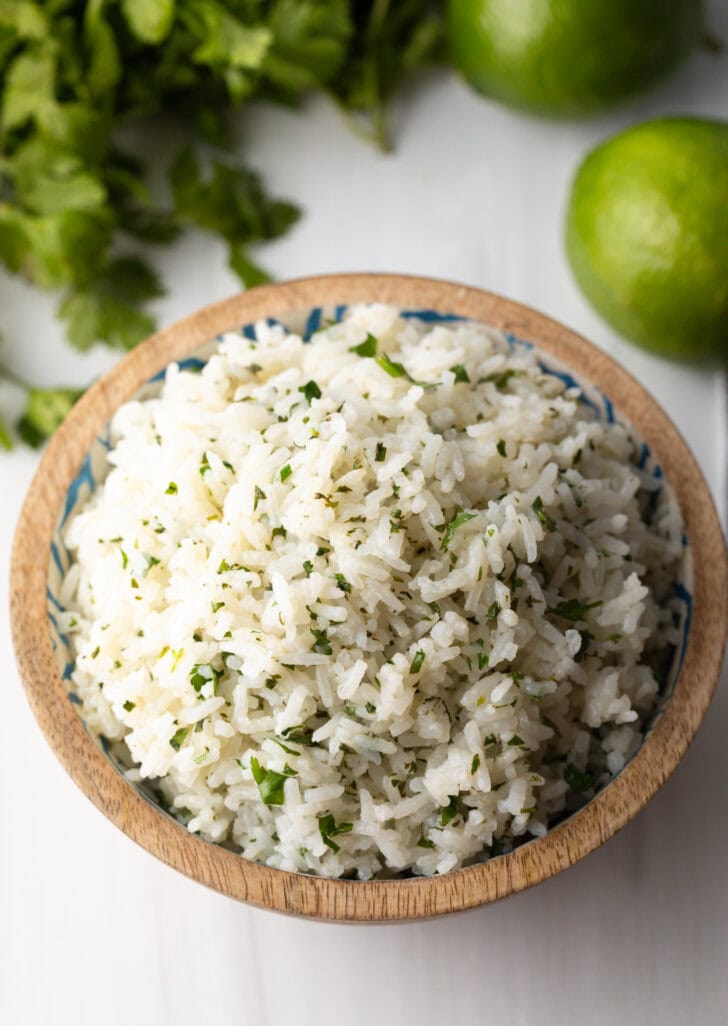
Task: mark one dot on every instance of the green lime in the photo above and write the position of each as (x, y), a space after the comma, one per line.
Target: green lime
(565, 58)
(647, 235)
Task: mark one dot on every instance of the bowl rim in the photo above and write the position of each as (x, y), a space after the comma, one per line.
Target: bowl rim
(353, 900)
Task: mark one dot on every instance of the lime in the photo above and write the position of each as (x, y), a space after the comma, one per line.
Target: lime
(565, 58)
(647, 235)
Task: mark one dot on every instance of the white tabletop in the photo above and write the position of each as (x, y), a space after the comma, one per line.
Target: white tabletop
(95, 932)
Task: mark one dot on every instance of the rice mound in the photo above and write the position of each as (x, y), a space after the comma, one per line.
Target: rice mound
(383, 602)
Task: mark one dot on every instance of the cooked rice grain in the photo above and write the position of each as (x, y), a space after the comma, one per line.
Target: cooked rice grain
(360, 613)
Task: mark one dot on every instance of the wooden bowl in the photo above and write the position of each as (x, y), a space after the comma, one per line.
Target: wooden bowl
(64, 467)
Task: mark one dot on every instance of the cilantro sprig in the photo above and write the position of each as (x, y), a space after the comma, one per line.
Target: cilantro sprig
(70, 193)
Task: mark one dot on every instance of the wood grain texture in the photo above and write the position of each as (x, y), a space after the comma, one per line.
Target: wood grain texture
(375, 901)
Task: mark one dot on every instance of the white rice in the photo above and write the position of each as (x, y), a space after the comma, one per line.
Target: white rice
(266, 574)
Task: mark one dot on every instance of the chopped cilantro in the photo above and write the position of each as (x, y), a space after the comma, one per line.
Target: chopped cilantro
(321, 644)
(460, 373)
(257, 496)
(475, 764)
(299, 735)
(381, 453)
(516, 742)
(171, 488)
(577, 780)
(270, 783)
(286, 472)
(286, 749)
(329, 828)
(501, 378)
(394, 369)
(179, 737)
(450, 811)
(310, 390)
(452, 527)
(204, 673)
(366, 348)
(573, 609)
(129, 705)
(501, 447)
(308, 567)
(425, 842)
(342, 582)
(417, 662)
(537, 507)
(493, 610)
(327, 500)
(216, 606)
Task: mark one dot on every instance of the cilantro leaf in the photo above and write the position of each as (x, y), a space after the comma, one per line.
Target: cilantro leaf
(204, 673)
(6, 441)
(450, 528)
(149, 20)
(577, 780)
(310, 391)
(546, 520)
(45, 409)
(309, 42)
(342, 582)
(366, 348)
(270, 782)
(107, 309)
(573, 609)
(328, 828)
(229, 201)
(29, 86)
(461, 375)
(322, 645)
(394, 369)
(417, 661)
(450, 811)
(179, 737)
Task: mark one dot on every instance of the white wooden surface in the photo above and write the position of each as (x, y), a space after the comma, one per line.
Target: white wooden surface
(94, 932)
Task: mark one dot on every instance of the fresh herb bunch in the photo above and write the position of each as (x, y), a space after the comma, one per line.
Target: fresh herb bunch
(73, 200)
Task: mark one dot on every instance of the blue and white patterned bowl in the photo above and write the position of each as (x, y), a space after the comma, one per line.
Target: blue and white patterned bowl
(303, 307)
